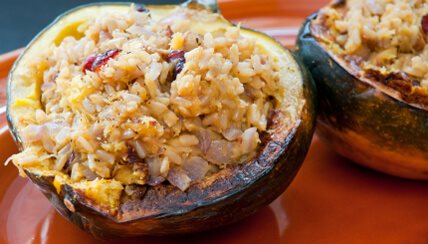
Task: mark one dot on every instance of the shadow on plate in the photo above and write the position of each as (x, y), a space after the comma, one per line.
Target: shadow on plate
(333, 199)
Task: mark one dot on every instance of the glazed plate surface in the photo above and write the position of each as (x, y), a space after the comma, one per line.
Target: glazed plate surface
(330, 201)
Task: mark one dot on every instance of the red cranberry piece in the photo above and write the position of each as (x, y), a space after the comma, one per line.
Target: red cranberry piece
(94, 62)
(140, 8)
(174, 55)
(89, 62)
(424, 23)
(103, 58)
(177, 56)
(179, 66)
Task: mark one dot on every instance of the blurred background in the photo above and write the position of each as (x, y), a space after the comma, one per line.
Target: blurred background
(21, 20)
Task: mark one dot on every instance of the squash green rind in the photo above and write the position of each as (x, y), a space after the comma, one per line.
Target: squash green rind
(231, 196)
(361, 122)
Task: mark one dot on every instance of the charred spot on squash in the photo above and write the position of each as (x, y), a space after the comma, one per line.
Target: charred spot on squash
(409, 88)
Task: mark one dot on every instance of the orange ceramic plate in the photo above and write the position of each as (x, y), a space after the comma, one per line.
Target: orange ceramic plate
(330, 201)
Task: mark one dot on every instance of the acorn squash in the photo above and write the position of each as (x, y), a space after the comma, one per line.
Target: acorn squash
(362, 115)
(226, 196)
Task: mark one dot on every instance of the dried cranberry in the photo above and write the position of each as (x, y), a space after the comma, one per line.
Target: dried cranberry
(89, 62)
(94, 62)
(424, 23)
(179, 66)
(103, 58)
(140, 8)
(177, 56)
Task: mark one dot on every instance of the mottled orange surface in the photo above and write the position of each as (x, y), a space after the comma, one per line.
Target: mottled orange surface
(330, 201)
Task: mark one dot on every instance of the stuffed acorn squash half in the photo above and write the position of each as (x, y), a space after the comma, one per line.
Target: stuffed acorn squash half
(369, 61)
(152, 120)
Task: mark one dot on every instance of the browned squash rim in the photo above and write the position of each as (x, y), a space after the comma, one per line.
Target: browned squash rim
(398, 85)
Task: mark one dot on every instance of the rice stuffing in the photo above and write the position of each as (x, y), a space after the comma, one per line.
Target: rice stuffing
(387, 36)
(144, 101)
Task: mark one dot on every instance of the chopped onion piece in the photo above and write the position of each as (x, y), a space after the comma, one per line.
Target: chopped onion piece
(178, 178)
(220, 152)
(196, 168)
(250, 139)
(232, 134)
(204, 140)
